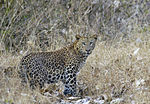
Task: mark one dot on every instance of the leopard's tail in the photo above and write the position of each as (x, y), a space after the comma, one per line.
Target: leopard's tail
(22, 73)
(10, 72)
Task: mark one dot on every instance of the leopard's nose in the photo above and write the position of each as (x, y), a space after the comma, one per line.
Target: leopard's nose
(88, 51)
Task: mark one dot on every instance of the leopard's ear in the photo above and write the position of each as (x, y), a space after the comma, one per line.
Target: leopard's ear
(95, 36)
(78, 37)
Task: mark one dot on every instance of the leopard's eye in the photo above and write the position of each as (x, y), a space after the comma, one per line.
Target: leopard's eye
(83, 43)
(91, 43)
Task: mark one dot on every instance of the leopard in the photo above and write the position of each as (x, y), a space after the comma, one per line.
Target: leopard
(64, 64)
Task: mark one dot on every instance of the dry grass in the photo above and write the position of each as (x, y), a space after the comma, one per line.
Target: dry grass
(121, 70)
(118, 70)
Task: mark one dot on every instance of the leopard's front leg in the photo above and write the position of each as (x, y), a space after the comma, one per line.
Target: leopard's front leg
(70, 84)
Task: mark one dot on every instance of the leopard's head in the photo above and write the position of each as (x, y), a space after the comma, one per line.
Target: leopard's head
(85, 45)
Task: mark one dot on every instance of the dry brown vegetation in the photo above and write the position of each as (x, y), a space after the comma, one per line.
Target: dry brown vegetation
(118, 70)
